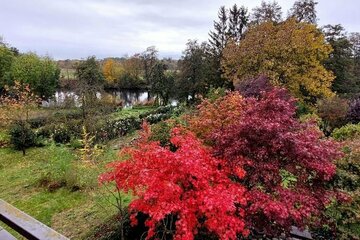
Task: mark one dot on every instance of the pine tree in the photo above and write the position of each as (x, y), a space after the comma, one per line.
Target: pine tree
(238, 20)
(218, 37)
(340, 61)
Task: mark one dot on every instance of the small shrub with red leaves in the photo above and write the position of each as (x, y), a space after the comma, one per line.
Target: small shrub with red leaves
(188, 184)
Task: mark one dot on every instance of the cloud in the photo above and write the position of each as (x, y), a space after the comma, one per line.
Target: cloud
(80, 28)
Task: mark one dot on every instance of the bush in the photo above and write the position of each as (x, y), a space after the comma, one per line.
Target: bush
(160, 110)
(287, 162)
(216, 115)
(345, 211)
(353, 115)
(37, 122)
(22, 136)
(111, 129)
(333, 113)
(215, 93)
(186, 187)
(349, 131)
(45, 131)
(61, 134)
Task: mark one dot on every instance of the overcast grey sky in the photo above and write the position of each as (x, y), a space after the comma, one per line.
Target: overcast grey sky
(79, 28)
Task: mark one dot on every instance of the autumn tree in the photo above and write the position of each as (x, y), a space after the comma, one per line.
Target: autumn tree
(340, 62)
(287, 163)
(333, 112)
(182, 192)
(290, 54)
(304, 11)
(41, 73)
(267, 12)
(112, 70)
(17, 105)
(132, 76)
(214, 116)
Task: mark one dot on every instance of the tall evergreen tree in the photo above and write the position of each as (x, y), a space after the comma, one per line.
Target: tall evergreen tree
(217, 40)
(355, 44)
(218, 37)
(238, 20)
(340, 61)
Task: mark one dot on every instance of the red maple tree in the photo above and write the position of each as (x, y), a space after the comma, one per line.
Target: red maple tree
(287, 162)
(189, 184)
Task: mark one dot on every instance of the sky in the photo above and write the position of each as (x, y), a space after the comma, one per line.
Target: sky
(75, 29)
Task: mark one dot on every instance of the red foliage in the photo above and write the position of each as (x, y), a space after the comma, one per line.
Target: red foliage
(287, 163)
(188, 183)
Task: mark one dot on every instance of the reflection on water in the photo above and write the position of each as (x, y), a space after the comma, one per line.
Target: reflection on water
(127, 97)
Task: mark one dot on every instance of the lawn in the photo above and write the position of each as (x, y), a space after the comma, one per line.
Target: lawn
(29, 183)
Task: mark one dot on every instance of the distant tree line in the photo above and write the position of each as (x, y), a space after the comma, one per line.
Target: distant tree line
(313, 62)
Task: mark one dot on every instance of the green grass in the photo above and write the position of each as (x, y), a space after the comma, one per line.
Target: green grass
(25, 181)
(131, 112)
(72, 213)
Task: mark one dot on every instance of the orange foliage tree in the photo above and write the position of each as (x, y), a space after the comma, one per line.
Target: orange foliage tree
(112, 70)
(212, 116)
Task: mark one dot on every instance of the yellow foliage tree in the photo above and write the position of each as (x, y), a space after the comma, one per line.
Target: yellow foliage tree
(290, 54)
(112, 70)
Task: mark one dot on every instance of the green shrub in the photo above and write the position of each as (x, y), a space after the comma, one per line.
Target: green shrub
(310, 117)
(215, 93)
(21, 136)
(37, 122)
(61, 134)
(45, 131)
(348, 131)
(345, 215)
(161, 132)
(75, 143)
